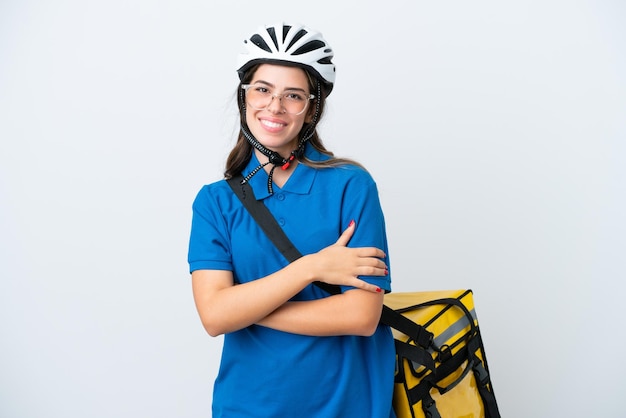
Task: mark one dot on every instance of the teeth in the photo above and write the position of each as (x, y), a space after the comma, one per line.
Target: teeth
(271, 124)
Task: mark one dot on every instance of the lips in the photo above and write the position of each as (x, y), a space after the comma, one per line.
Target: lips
(272, 125)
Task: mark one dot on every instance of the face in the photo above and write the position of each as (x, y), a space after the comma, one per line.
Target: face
(273, 127)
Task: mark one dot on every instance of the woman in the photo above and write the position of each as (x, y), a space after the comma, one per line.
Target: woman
(290, 348)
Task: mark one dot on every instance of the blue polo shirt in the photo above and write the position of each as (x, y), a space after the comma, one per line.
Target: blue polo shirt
(269, 373)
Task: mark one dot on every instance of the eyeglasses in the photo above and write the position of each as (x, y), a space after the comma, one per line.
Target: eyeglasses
(259, 97)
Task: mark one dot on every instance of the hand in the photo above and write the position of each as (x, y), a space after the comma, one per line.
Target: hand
(339, 265)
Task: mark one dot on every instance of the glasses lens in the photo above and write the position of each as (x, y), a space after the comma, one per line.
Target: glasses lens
(260, 97)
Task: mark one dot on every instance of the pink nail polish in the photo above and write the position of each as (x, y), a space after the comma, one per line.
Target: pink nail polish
(351, 223)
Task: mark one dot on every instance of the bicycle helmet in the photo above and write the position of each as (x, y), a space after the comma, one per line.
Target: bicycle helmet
(289, 44)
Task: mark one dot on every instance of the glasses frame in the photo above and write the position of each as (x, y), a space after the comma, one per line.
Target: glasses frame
(246, 87)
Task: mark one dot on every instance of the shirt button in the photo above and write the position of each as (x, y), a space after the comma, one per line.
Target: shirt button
(280, 197)
(281, 221)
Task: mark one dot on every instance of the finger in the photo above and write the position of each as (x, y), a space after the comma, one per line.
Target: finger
(373, 270)
(347, 234)
(363, 285)
(370, 252)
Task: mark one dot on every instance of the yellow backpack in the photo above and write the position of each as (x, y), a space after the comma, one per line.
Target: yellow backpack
(441, 368)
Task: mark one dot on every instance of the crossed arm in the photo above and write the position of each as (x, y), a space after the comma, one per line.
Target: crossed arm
(224, 307)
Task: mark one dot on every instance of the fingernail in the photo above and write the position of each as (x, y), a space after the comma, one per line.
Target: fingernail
(378, 289)
(351, 223)
(386, 272)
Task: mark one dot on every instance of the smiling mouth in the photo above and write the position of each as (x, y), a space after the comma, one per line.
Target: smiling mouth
(271, 124)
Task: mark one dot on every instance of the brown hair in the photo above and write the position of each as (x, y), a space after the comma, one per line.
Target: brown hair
(242, 151)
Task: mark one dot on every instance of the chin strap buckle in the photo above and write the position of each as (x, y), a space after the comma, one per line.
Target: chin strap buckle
(288, 163)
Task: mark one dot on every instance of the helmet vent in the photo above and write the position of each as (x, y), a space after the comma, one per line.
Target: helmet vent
(272, 33)
(308, 47)
(286, 29)
(260, 42)
(325, 60)
(296, 37)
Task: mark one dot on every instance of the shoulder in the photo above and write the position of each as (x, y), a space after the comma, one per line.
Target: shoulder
(211, 189)
(347, 174)
(217, 194)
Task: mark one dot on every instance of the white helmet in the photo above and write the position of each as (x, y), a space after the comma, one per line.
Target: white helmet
(290, 45)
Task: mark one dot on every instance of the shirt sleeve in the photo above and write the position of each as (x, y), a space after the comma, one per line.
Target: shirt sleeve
(209, 246)
(362, 204)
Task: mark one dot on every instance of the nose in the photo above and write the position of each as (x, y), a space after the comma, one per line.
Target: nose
(275, 105)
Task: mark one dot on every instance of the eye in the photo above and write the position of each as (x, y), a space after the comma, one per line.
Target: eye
(261, 90)
(296, 97)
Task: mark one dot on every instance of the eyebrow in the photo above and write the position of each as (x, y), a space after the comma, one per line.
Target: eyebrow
(267, 83)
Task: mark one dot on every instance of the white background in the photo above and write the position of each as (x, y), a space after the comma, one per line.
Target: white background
(495, 131)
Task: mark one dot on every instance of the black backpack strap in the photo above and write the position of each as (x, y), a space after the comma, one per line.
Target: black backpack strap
(430, 407)
(483, 380)
(416, 332)
(268, 224)
(264, 218)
